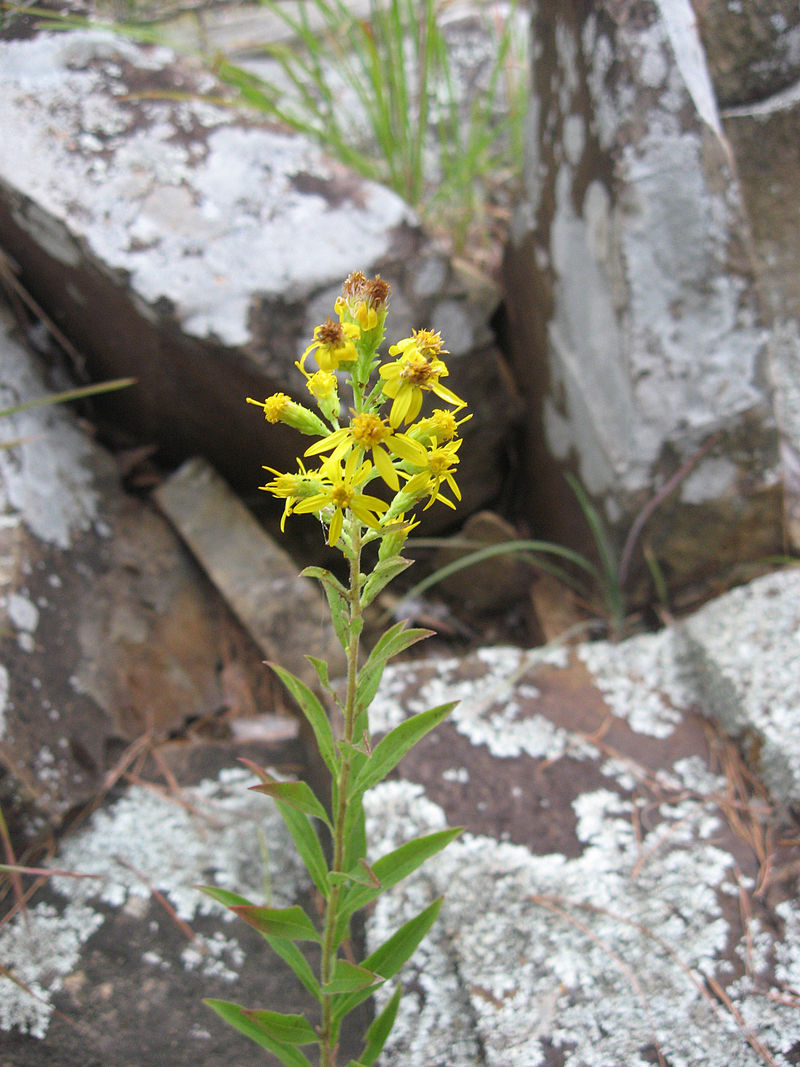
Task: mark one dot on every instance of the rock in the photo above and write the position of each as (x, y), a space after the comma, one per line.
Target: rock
(624, 889)
(111, 635)
(198, 247)
(493, 585)
(635, 321)
(119, 966)
(752, 50)
(745, 651)
(285, 614)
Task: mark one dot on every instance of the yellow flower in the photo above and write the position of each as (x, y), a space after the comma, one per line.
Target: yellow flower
(417, 369)
(339, 489)
(324, 388)
(369, 433)
(440, 464)
(281, 408)
(439, 427)
(332, 345)
(291, 487)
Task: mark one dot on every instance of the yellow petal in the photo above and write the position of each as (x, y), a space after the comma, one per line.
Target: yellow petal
(385, 467)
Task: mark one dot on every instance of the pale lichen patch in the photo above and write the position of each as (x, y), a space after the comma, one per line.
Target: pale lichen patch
(576, 954)
(144, 842)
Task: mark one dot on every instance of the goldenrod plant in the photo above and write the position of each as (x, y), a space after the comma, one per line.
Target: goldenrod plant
(378, 458)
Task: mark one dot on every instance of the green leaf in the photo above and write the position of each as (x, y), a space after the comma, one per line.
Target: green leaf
(355, 840)
(307, 842)
(380, 1029)
(239, 1018)
(297, 794)
(288, 1029)
(290, 923)
(396, 639)
(383, 573)
(314, 712)
(337, 602)
(390, 957)
(291, 954)
(389, 751)
(321, 667)
(224, 896)
(395, 866)
(349, 977)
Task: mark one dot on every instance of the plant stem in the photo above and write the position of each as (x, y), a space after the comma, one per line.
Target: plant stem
(328, 962)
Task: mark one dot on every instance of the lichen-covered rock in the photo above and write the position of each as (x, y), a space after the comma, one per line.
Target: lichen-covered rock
(753, 49)
(609, 901)
(745, 652)
(196, 248)
(636, 325)
(110, 632)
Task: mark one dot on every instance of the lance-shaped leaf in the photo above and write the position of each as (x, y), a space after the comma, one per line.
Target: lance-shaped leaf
(281, 946)
(337, 602)
(389, 751)
(291, 922)
(393, 868)
(288, 1029)
(396, 640)
(239, 1018)
(380, 1029)
(349, 977)
(224, 896)
(314, 712)
(392, 954)
(291, 954)
(307, 842)
(355, 834)
(383, 573)
(297, 794)
(322, 669)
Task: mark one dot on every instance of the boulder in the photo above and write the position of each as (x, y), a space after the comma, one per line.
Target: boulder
(195, 247)
(623, 892)
(752, 49)
(112, 637)
(635, 322)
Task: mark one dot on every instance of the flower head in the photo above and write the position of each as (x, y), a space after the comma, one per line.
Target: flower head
(368, 432)
(325, 389)
(439, 427)
(281, 408)
(418, 369)
(440, 465)
(333, 344)
(291, 488)
(338, 489)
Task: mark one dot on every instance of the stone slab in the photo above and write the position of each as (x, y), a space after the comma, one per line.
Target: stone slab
(285, 614)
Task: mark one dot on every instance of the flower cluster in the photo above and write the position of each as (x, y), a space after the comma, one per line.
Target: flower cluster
(382, 436)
